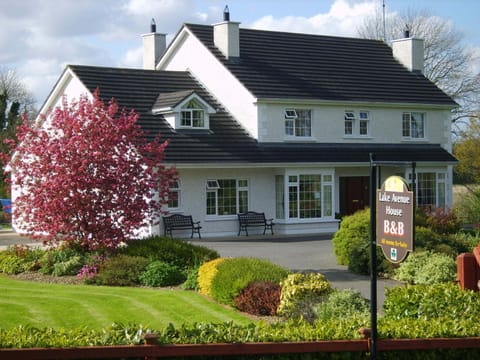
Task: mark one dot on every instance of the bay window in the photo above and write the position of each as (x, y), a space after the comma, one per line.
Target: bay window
(304, 196)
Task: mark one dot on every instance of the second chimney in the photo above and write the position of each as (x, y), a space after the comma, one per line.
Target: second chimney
(154, 45)
(226, 36)
(409, 51)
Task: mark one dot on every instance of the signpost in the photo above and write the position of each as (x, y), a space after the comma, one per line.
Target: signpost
(392, 222)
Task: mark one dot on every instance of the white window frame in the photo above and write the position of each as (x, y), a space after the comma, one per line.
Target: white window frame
(410, 133)
(439, 188)
(190, 122)
(175, 187)
(241, 186)
(353, 124)
(293, 117)
(291, 187)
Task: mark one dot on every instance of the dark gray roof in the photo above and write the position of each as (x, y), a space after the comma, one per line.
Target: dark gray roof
(226, 141)
(300, 66)
(171, 99)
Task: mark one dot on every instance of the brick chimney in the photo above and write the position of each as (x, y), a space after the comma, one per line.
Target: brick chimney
(409, 52)
(226, 36)
(154, 45)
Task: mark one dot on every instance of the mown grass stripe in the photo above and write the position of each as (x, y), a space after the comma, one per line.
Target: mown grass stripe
(72, 306)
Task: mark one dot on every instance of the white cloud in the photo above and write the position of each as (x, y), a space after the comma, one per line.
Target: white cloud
(342, 19)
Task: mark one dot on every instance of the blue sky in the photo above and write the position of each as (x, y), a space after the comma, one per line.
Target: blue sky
(38, 38)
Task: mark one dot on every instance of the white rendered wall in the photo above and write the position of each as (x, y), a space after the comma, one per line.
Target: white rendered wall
(188, 53)
(328, 124)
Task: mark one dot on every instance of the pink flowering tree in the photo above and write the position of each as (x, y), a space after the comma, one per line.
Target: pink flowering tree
(87, 176)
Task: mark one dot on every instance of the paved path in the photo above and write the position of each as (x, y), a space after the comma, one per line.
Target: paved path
(312, 253)
(302, 253)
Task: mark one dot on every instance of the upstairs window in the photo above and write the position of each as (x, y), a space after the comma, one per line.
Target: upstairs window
(413, 125)
(357, 125)
(193, 115)
(298, 122)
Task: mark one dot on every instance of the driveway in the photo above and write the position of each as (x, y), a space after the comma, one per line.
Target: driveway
(299, 253)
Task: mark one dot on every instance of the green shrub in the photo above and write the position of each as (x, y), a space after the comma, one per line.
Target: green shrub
(468, 207)
(19, 258)
(173, 251)
(446, 300)
(58, 260)
(68, 267)
(354, 232)
(159, 273)
(301, 293)
(120, 270)
(351, 244)
(427, 239)
(259, 298)
(467, 241)
(11, 264)
(342, 304)
(427, 267)
(191, 283)
(234, 274)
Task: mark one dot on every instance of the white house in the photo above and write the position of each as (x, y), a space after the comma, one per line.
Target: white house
(281, 123)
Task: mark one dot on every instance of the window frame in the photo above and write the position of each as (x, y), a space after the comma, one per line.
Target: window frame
(193, 121)
(297, 125)
(356, 125)
(407, 132)
(178, 191)
(438, 188)
(296, 195)
(214, 198)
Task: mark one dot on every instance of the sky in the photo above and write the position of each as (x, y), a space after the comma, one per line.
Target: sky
(38, 38)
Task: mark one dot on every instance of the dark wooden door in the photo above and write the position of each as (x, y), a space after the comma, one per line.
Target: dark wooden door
(354, 194)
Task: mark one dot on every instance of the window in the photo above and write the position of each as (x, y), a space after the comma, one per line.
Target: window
(308, 196)
(229, 198)
(298, 122)
(192, 115)
(174, 195)
(363, 123)
(430, 189)
(413, 125)
(349, 118)
(357, 126)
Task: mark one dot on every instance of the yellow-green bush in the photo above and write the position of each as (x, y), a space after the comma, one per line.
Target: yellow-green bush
(300, 291)
(206, 273)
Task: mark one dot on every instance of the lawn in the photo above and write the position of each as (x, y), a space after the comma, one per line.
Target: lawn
(71, 306)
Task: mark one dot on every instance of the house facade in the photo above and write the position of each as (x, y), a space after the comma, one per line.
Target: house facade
(280, 123)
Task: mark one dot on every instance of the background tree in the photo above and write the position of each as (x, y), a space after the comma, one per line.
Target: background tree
(467, 150)
(448, 62)
(86, 175)
(14, 98)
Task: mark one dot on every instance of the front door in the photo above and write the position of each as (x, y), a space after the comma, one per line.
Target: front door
(354, 194)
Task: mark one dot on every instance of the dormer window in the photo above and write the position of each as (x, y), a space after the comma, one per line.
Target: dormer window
(193, 115)
(184, 110)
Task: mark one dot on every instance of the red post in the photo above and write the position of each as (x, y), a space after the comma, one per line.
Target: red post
(467, 271)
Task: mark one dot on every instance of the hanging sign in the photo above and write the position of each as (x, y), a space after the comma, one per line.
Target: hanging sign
(395, 223)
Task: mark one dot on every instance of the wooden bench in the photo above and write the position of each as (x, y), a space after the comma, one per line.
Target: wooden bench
(180, 222)
(252, 218)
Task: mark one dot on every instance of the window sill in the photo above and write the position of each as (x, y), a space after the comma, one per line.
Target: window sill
(424, 140)
(358, 137)
(221, 217)
(299, 139)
